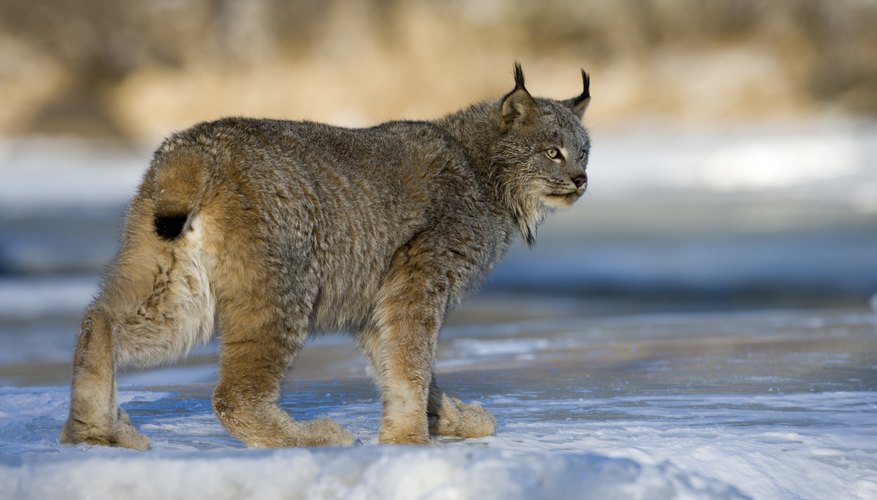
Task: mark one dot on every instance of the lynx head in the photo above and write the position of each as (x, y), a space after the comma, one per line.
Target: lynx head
(542, 155)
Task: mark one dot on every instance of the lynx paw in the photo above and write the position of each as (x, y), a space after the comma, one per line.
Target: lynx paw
(408, 438)
(122, 434)
(404, 429)
(326, 432)
(458, 419)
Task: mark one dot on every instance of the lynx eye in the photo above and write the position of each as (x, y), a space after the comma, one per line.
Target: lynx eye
(582, 155)
(553, 153)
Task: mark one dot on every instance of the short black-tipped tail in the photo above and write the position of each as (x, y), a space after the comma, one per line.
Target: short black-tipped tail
(178, 180)
(169, 227)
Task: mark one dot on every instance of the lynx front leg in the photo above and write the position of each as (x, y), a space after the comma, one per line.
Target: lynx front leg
(446, 415)
(410, 312)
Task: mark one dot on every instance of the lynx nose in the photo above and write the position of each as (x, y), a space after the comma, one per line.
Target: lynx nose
(580, 180)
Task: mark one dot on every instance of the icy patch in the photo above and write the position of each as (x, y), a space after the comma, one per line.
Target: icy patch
(473, 347)
(468, 351)
(174, 375)
(31, 419)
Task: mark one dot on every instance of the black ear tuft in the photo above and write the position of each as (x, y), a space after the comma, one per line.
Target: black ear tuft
(579, 104)
(519, 76)
(518, 106)
(586, 83)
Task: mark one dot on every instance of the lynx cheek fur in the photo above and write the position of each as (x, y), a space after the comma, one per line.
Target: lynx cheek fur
(272, 230)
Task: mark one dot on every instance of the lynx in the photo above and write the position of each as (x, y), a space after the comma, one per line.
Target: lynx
(268, 231)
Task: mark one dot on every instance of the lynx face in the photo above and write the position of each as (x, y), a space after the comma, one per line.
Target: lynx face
(559, 156)
(544, 153)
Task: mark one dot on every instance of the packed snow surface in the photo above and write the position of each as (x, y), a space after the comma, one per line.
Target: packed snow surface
(766, 405)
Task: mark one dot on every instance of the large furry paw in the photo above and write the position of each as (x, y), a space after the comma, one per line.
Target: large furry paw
(404, 429)
(395, 436)
(122, 433)
(458, 419)
(294, 433)
(325, 432)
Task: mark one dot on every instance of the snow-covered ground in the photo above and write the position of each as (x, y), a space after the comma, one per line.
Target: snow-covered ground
(767, 405)
(698, 326)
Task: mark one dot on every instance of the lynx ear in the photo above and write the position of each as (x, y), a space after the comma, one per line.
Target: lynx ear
(579, 104)
(518, 105)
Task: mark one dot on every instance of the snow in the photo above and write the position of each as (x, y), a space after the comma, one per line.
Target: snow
(365, 472)
(782, 164)
(39, 174)
(656, 447)
(821, 161)
(764, 405)
(33, 298)
(824, 438)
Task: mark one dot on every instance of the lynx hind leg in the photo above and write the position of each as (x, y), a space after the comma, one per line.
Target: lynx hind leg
(94, 418)
(155, 305)
(263, 328)
(448, 416)
(252, 365)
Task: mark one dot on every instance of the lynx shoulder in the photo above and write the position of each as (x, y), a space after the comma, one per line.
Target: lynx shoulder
(269, 231)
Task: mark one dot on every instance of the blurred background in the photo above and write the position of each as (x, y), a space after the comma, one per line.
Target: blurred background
(734, 141)
(98, 68)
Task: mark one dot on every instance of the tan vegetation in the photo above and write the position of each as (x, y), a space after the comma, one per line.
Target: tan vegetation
(141, 69)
